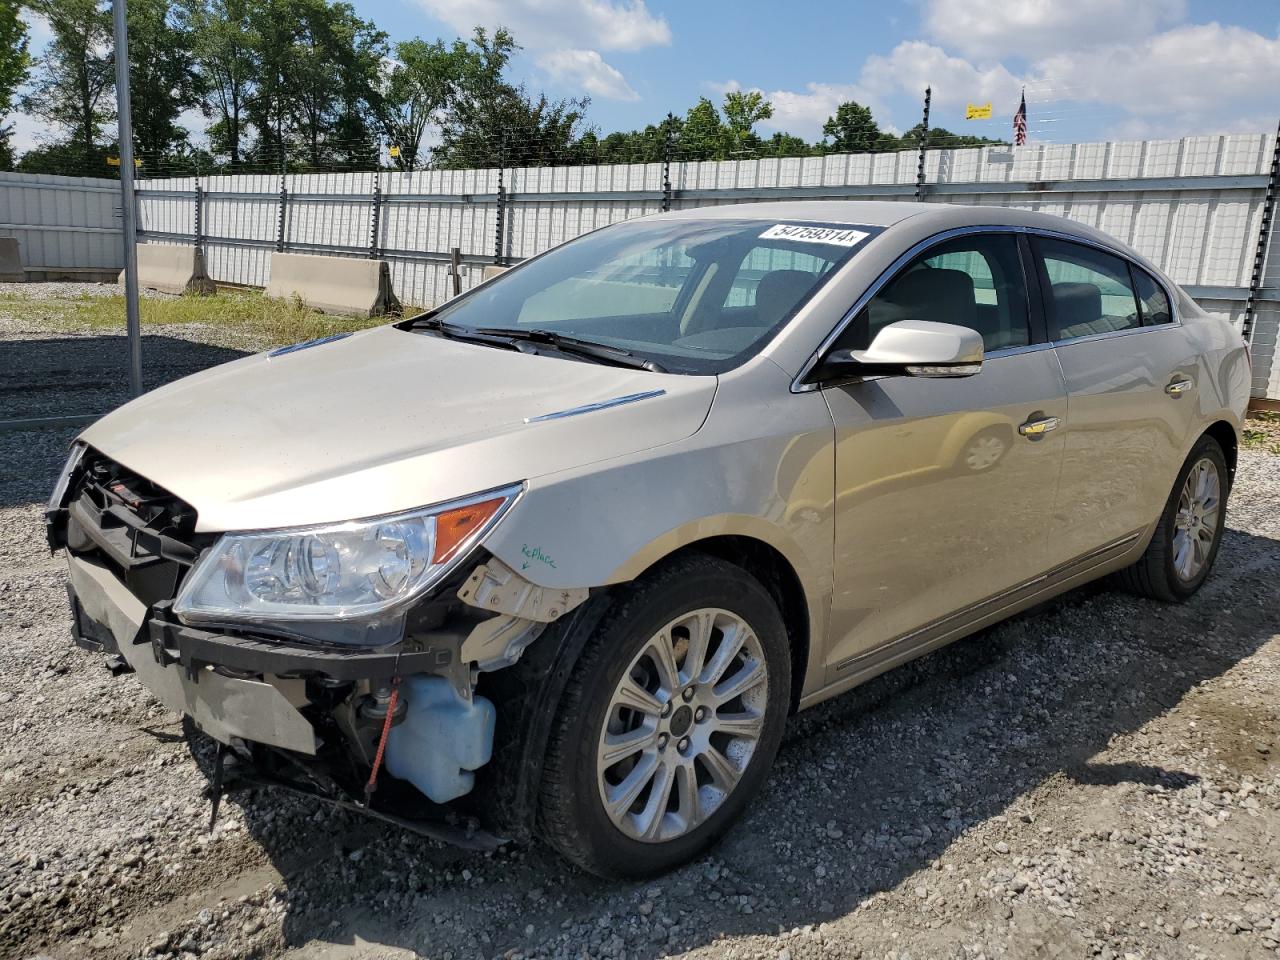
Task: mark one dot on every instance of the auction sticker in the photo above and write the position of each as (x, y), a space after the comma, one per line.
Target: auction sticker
(805, 233)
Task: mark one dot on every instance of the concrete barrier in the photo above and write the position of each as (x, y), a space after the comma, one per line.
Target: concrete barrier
(492, 270)
(11, 261)
(172, 269)
(360, 288)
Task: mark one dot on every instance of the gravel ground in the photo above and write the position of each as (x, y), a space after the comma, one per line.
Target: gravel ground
(1098, 778)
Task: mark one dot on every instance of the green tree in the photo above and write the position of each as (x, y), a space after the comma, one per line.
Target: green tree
(223, 45)
(14, 63)
(703, 135)
(787, 145)
(162, 78)
(854, 130)
(416, 89)
(315, 94)
(74, 78)
(333, 75)
(742, 111)
(490, 121)
(941, 138)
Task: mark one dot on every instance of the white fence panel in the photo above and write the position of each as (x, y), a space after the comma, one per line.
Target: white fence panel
(66, 226)
(1192, 205)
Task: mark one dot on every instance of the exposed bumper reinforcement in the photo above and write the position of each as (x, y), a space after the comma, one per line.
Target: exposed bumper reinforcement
(222, 706)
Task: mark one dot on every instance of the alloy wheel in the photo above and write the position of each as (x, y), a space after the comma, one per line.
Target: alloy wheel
(1198, 519)
(682, 725)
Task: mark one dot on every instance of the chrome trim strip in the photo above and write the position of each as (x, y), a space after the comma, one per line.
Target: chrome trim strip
(799, 386)
(593, 407)
(1111, 335)
(980, 609)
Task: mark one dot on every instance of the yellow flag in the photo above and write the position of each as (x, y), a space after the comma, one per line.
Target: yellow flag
(978, 111)
(393, 150)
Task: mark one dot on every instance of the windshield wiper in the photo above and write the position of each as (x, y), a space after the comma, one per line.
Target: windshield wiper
(452, 331)
(574, 345)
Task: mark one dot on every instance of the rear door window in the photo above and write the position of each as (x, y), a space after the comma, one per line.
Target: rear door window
(1089, 291)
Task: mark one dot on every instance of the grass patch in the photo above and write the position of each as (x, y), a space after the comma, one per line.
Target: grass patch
(241, 313)
(1262, 431)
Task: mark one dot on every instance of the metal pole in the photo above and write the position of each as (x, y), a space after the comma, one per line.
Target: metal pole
(455, 269)
(924, 139)
(666, 162)
(373, 219)
(1264, 235)
(129, 214)
(502, 202)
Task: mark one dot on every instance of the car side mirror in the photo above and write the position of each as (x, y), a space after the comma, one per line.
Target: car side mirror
(908, 348)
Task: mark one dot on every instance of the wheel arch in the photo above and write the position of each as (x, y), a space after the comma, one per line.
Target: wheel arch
(776, 574)
(1229, 441)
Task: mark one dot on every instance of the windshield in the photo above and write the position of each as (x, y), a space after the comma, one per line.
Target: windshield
(694, 296)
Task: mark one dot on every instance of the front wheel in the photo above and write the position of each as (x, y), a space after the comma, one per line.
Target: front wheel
(1186, 541)
(670, 721)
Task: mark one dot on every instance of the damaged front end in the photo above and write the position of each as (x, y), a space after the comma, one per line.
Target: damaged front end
(319, 657)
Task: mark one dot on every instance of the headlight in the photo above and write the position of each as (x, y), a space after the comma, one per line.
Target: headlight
(64, 479)
(339, 572)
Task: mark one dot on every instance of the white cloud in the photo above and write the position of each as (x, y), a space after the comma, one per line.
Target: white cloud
(907, 69)
(1034, 28)
(560, 24)
(1205, 77)
(588, 70)
(565, 36)
(913, 65)
(803, 112)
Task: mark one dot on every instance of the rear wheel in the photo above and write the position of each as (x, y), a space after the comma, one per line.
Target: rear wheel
(1186, 541)
(670, 721)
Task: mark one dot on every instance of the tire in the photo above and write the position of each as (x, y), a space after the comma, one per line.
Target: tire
(1157, 574)
(576, 775)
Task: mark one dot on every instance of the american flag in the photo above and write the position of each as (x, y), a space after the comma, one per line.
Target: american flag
(1020, 123)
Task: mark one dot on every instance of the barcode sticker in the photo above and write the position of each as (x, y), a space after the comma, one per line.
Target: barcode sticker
(805, 233)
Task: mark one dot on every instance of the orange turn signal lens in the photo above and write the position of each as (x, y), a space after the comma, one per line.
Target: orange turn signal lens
(454, 526)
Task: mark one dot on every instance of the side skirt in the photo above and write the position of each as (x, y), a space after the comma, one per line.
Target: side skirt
(1093, 565)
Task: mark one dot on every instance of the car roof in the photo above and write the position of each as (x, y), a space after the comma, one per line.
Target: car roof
(883, 213)
(872, 213)
(925, 217)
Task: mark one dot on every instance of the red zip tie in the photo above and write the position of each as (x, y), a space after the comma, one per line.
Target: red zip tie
(372, 785)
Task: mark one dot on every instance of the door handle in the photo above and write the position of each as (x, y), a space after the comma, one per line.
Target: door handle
(1037, 427)
(1177, 388)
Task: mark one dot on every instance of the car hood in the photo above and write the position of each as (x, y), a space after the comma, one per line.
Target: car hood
(384, 421)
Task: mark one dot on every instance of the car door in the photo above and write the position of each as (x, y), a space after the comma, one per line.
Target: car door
(940, 499)
(1131, 379)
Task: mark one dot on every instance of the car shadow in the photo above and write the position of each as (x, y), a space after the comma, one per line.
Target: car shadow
(868, 789)
(75, 376)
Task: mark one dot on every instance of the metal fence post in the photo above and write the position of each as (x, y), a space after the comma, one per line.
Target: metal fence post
(199, 225)
(924, 140)
(281, 214)
(373, 220)
(455, 269)
(666, 163)
(1264, 234)
(502, 204)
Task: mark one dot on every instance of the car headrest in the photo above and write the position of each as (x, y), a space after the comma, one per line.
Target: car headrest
(1078, 305)
(779, 291)
(931, 293)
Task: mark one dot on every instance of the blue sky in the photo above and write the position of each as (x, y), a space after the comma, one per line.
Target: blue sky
(1093, 69)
